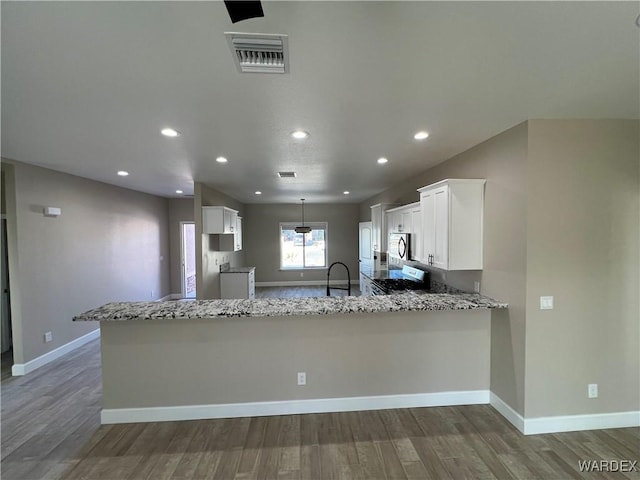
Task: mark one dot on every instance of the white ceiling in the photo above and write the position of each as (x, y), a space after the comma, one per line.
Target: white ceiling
(87, 86)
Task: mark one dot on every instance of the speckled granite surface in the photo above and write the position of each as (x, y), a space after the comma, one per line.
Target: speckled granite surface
(238, 270)
(271, 307)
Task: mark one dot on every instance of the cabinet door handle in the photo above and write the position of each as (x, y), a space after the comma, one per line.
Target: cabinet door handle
(430, 259)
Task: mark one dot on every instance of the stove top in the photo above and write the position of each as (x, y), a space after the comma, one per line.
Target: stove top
(410, 279)
(400, 284)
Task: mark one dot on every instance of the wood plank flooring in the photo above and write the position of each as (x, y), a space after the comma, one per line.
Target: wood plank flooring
(6, 362)
(50, 430)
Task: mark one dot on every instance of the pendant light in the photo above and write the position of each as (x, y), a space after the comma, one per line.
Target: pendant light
(302, 229)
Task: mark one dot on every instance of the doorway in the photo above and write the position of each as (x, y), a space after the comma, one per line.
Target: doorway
(188, 258)
(6, 337)
(365, 249)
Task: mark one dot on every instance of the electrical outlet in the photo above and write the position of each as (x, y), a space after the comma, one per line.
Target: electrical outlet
(48, 336)
(151, 293)
(302, 274)
(546, 303)
(302, 378)
(476, 287)
(592, 390)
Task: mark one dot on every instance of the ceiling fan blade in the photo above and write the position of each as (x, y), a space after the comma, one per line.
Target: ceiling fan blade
(243, 9)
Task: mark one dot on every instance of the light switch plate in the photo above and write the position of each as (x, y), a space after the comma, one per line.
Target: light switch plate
(546, 303)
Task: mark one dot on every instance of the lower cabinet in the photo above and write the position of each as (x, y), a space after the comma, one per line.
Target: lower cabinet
(238, 284)
(365, 285)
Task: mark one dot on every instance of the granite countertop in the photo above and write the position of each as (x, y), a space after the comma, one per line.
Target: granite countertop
(270, 307)
(239, 270)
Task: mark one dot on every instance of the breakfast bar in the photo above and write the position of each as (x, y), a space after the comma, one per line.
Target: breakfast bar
(183, 360)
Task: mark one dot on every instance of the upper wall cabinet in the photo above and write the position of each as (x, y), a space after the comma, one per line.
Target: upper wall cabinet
(452, 218)
(219, 220)
(407, 219)
(379, 226)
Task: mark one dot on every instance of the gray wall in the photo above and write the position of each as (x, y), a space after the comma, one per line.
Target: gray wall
(262, 239)
(583, 248)
(109, 244)
(500, 160)
(180, 210)
(562, 218)
(236, 360)
(208, 268)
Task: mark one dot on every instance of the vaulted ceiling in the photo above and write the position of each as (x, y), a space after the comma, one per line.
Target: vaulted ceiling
(87, 87)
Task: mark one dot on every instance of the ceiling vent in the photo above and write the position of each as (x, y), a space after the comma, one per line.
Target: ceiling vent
(259, 52)
(287, 174)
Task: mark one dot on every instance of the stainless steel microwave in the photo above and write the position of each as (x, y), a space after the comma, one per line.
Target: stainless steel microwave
(399, 246)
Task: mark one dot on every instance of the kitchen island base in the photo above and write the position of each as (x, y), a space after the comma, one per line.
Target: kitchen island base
(183, 369)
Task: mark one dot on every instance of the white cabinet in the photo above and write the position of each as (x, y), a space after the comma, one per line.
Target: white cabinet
(240, 284)
(365, 285)
(226, 225)
(379, 226)
(237, 235)
(406, 219)
(218, 220)
(452, 218)
(416, 233)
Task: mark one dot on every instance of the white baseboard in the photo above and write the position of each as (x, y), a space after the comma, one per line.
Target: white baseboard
(19, 369)
(291, 407)
(565, 423)
(305, 283)
(574, 423)
(171, 296)
(507, 412)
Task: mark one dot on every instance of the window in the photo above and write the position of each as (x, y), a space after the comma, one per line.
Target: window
(303, 250)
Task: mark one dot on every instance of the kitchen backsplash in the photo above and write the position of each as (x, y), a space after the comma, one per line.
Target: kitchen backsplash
(463, 280)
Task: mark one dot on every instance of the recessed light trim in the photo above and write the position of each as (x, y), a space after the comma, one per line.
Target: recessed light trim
(346, 192)
(179, 192)
(122, 173)
(258, 192)
(382, 160)
(221, 160)
(300, 134)
(421, 135)
(170, 132)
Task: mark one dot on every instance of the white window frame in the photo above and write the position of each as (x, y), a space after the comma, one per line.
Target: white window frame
(314, 225)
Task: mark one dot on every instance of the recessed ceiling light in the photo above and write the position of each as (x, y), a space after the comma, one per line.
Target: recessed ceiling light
(122, 173)
(346, 192)
(421, 135)
(221, 160)
(179, 192)
(258, 192)
(299, 134)
(382, 160)
(170, 132)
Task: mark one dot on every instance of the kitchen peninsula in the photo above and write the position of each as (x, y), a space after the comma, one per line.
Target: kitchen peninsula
(225, 358)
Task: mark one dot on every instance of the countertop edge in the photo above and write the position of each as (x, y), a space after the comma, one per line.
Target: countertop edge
(281, 307)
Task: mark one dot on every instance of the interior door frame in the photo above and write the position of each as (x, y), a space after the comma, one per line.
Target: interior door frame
(368, 261)
(183, 280)
(6, 301)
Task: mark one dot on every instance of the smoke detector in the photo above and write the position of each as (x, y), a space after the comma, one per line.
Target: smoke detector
(259, 52)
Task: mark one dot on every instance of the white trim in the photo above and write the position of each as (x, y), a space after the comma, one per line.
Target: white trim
(291, 407)
(507, 412)
(20, 369)
(565, 423)
(303, 283)
(171, 296)
(575, 423)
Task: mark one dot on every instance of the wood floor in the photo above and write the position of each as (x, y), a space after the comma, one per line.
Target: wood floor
(50, 430)
(6, 362)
